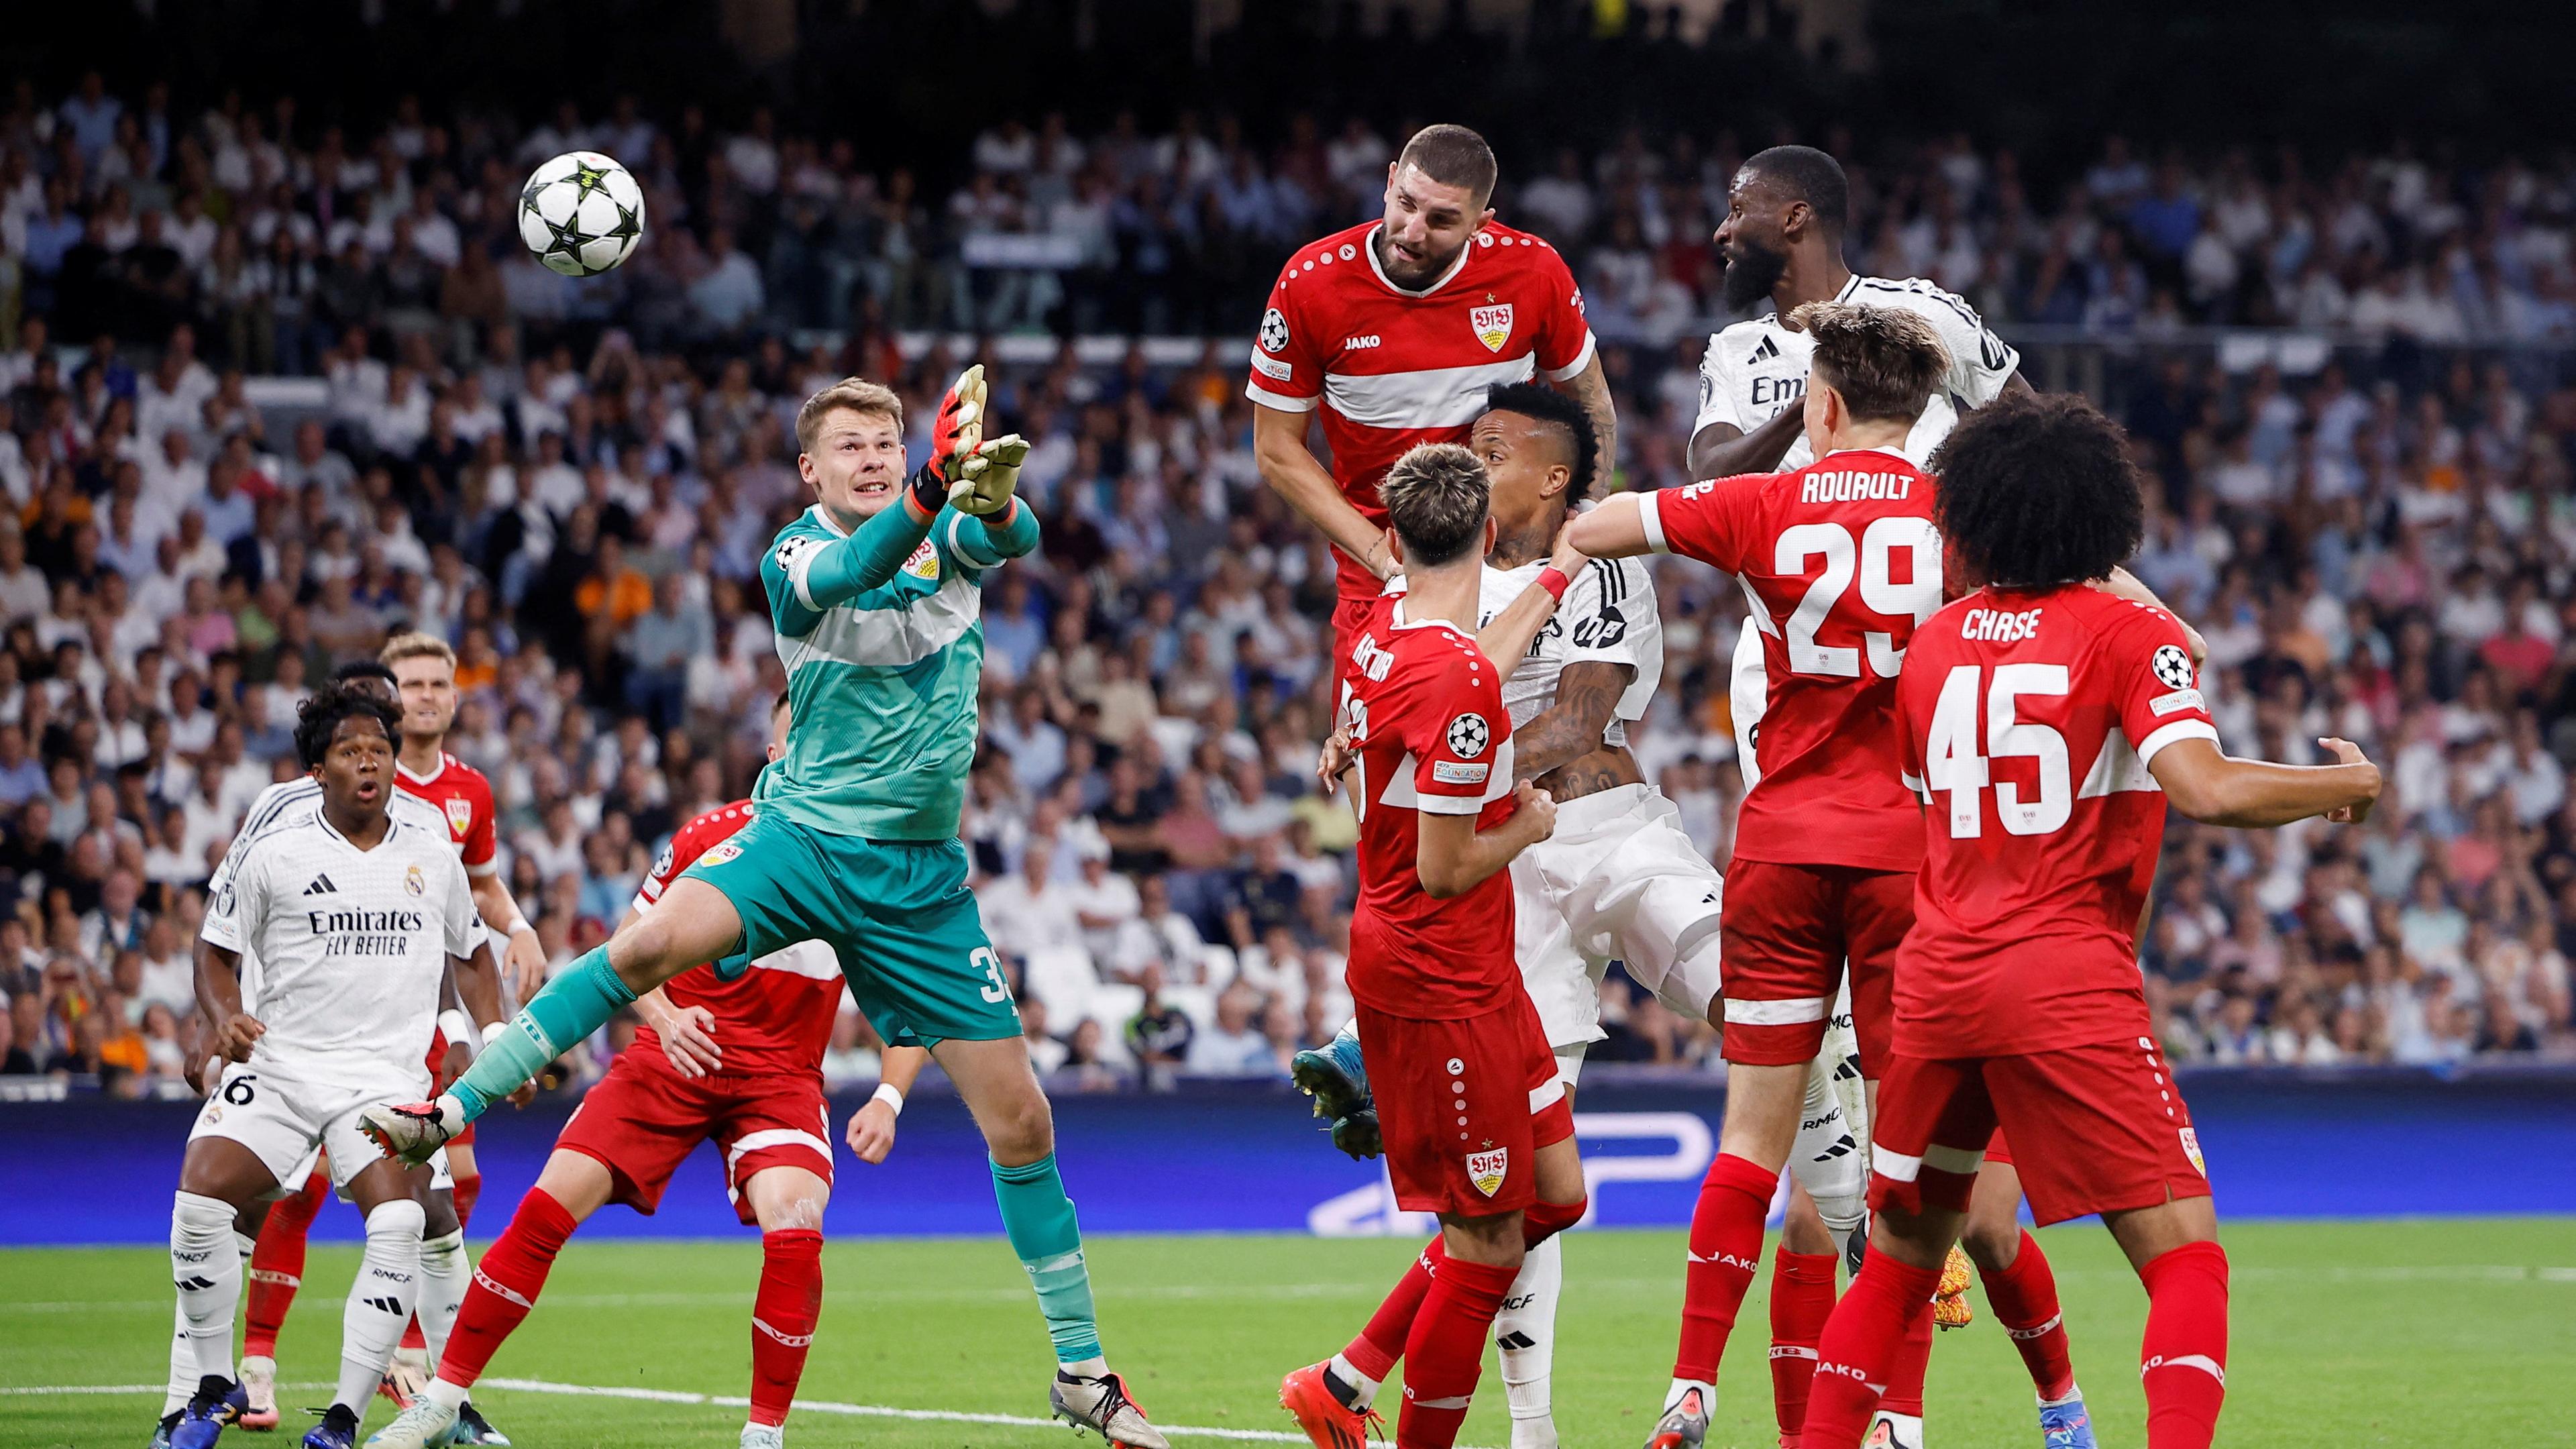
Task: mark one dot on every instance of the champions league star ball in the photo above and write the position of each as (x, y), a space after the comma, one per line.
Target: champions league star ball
(581, 213)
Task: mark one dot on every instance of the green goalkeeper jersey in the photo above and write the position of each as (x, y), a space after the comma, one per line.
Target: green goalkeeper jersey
(883, 661)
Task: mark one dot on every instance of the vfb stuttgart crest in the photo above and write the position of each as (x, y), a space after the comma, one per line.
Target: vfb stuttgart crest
(1493, 325)
(924, 563)
(1487, 1169)
(460, 816)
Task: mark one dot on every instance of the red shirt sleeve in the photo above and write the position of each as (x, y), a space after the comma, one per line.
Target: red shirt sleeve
(1287, 351)
(2153, 684)
(1714, 522)
(1564, 336)
(687, 844)
(1462, 741)
(480, 844)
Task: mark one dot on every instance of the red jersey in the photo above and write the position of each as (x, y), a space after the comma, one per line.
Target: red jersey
(1428, 727)
(777, 1016)
(464, 795)
(2029, 720)
(1840, 562)
(1393, 368)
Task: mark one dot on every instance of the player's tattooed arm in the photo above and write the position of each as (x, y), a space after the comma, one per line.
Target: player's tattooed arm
(1506, 638)
(230, 1030)
(1587, 695)
(1722, 450)
(1591, 387)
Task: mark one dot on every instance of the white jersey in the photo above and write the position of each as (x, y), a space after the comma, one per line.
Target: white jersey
(1608, 615)
(1754, 371)
(353, 944)
(264, 811)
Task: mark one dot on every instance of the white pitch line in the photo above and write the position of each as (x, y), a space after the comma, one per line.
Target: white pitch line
(730, 1401)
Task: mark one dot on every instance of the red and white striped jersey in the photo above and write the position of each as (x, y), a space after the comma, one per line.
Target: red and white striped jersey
(774, 1017)
(463, 794)
(1393, 368)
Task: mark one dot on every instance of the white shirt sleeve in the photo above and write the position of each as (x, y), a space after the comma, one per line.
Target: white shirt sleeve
(463, 927)
(237, 902)
(1716, 399)
(1980, 362)
(1598, 629)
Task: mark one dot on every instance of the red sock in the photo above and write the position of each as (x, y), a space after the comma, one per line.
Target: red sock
(1802, 1297)
(277, 1265)
(2024, 1297)
(468, 1188)
(2183, 1361)
(506, 1284)
(1860, 1345)
(782, 1318)
(1446, 1351)
(1906, 1372)
(1725, 1251)
(1381, 1342)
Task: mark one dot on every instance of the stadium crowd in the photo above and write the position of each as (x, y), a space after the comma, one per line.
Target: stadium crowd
(574, 482)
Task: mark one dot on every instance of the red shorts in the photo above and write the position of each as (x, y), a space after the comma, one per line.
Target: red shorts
(1465, 1106)
(438, 1063)
(2106, 1125)
(1787, 932)
(1348, 614)
(643, 1120)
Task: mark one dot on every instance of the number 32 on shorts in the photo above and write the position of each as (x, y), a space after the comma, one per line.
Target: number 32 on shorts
(997, 988)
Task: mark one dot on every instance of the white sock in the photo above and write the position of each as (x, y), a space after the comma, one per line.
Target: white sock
(1906, 1429)
(2073, 1393)
(380, 1302)
(1094, 1367)
(1673, 1395)
(1366, 1387)
(183, 1364)
(445, 1272)
(1828, 1158)
(207, 1269)
(440, 1391)
(1525, 1332)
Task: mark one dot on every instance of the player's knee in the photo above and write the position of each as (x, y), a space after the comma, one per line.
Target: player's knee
(438, 1218)
(790, 1213)
(1991, 1240)
(395, 1220)
(1020, 1129)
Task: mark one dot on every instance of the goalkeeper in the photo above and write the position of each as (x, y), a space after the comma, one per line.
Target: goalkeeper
(876, 595)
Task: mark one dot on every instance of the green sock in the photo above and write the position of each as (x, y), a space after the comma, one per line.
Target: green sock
(567, 1011)
(1039, 1218)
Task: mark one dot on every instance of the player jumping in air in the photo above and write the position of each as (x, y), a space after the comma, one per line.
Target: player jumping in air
(738, 1062)
(422, 670)
(1782, 238)
(876, 597)
(2048, 724)
(355, 919)
(1618, 879)
(1476, 1123)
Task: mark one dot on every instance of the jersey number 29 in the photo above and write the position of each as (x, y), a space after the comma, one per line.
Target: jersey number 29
(1872, 559)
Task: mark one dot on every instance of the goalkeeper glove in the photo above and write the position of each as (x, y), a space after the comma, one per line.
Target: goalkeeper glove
(985, 480)
(954, 434)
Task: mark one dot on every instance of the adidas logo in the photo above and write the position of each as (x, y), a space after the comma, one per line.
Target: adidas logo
(195, 1285)
(321, 887)
(1515, 1341)
(388, 1305)
(1769, 349)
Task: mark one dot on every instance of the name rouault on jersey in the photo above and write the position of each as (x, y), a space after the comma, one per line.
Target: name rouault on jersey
(1853, 487)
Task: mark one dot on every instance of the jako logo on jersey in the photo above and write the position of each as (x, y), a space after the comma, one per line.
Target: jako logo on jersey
(1360, 343)
(1493, 325)
(460, 816)
(1487, 1169)
(924, 563)
(1995, 626)
(412, 882)
(1274, 331)
(1468, 736)
(719, 853)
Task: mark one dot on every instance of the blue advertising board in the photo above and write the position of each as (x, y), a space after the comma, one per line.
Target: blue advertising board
(1220, 1157)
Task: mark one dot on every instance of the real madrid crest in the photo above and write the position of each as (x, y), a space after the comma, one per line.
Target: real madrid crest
(413, 884)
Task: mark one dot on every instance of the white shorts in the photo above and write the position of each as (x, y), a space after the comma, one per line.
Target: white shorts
(1619, 880)
(285, 1123)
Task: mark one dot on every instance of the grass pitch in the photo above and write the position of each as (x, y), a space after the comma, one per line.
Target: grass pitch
(2403, 1333)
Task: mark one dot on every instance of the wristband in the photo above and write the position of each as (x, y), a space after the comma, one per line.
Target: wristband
(517, 924)
(1555, 581)
(493, 1032)
(891, 1095)
(457, 1027)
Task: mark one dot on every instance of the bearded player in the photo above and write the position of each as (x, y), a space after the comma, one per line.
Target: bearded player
(737, 1062)
(1617, 880)
(422, 670)
(1392, 331)
(876, 599)
(1477, 1126)
(2048, 725)
(1782, 239)
(1841, 561)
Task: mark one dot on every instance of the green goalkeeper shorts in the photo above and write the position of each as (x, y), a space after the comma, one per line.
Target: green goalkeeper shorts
(896, 912)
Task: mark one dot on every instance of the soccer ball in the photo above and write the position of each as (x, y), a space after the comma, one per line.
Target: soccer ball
(581, 213)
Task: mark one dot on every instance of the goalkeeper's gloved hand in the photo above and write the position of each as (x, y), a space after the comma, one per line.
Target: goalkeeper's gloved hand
(954, 435)
(986, 479)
